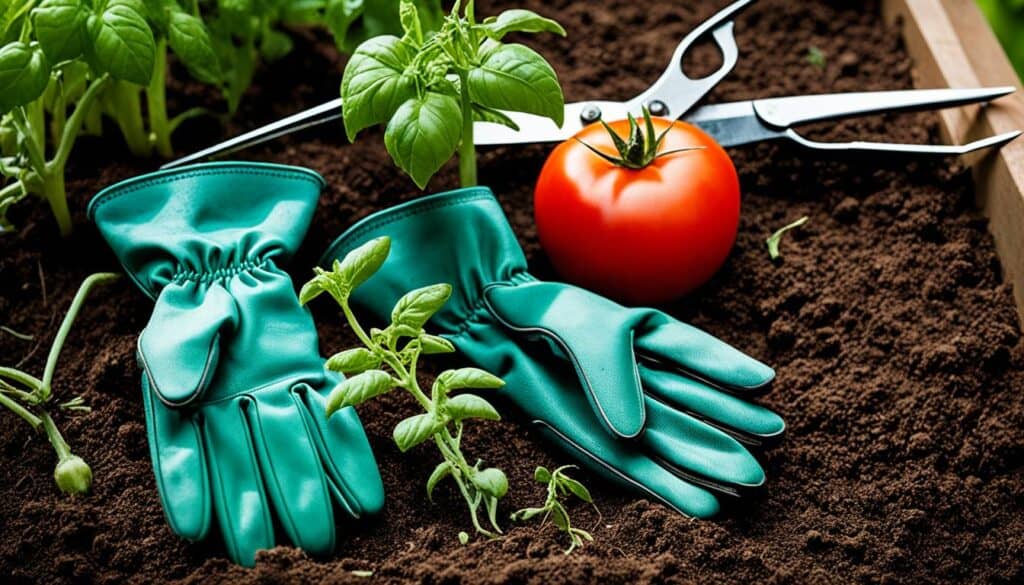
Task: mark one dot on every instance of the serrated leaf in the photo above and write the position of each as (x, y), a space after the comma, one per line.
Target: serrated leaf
(374, 85)
(541, 474)
(577, 488)
(417, 306)
(353, 361)
(516, 78)
(468, 378)
(466, 406)
(190, 41)
(423, 134)
(60, 28)
(416, 429)
(363, 262)
(24, 74)
(433, 344)
(122, 42)
(443, 470)
(491, 481)
(519, 20)
(358, 389)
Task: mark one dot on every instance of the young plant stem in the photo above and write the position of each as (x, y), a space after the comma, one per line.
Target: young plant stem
(126, 109)
(56, 439)
(20, 410)
(55, 195)
(156, 103)
(69, 320)
(467, 150)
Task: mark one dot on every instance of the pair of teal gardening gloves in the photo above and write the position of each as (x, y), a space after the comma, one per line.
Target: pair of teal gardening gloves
(234, 384)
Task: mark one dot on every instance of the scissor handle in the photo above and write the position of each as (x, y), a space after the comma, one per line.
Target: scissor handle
(675, 92)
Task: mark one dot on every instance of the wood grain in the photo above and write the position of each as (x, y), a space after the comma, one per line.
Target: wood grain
(953, 46)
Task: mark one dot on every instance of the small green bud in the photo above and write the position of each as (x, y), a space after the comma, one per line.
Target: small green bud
(73, 475)
(463, 538)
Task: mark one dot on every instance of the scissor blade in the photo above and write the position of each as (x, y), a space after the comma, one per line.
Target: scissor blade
(732, 124)
(788, 111)
(314, 116)
(540, 129)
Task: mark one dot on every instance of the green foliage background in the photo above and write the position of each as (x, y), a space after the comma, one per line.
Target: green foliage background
(1007, 20)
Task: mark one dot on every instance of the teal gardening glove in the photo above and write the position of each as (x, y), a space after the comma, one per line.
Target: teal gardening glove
(633, 394)
(233, 382)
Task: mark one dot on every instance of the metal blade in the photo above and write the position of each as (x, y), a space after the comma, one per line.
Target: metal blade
(315, 116)
(788, 111)
(732, 124)
(540, 129)
(896, 148)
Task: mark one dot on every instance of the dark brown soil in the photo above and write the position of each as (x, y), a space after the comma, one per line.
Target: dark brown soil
(899, 357)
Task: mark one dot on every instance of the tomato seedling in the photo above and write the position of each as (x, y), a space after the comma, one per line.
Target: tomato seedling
(28, 397)
(428, 89)
(642, 213)
(559, 485)
(381, 365)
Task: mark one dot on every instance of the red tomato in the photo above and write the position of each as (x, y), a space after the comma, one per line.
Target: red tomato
(639, 236)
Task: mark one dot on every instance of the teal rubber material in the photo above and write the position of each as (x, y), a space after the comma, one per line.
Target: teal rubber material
(233, 382)
(631, 393)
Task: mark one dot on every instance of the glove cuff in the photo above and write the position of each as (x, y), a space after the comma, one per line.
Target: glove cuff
(460, 237)
(205, 221)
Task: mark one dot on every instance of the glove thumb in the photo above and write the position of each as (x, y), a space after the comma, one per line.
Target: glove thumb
(180, 346)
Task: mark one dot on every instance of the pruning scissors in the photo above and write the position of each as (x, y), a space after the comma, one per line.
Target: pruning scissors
(675, 94)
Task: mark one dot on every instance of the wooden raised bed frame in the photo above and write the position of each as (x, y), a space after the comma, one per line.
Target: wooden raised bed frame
(953, 46)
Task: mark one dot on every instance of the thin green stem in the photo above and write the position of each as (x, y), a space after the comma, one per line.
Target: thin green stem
(467, 150)
(55, 194)
(26, 380)
(36, 157)
(74, 125)
(20, 410)
(156, 103)
(126, 109)
(69, 319)
(56, 439)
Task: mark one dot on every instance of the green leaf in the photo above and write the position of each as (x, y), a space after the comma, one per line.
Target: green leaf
(577, 488)
(485, 114)
(311, 290)
(374, 85)
(432, 344)
(190, 41)
(416, 429)
(443, 470)
(358, 389)
(491, 481)
(122, 42)
(353, 361)
(363, 262)
(515, 77)
(527, 514)
(60, 27)
(518, 20)
(559, 516)
(773, 240)
(339, 16)
(24, 73)
(541, 474)
(409, 16)
(423, 134)
(274, 45)
(466, 406)
(468, 378)
(416, 307)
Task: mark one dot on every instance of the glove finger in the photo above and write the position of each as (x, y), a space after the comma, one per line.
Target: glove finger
(345, 453)
(612, 459)
(571, 319)
(291, 469)
(240, 500)
(175, 448)
(180, 345)
(699, 452)
(747, 422)
(663, 339)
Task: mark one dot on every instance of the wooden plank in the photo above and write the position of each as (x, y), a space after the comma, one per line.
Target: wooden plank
(953, 46)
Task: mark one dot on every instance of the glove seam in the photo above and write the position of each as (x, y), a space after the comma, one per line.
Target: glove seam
(418, 207)
(105, 198)
(227, 271)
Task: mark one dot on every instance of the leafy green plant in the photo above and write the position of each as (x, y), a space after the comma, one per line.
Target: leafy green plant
(428, 89)
(1007, 20)
(389, 359)
(29, 397)
(773, 240)
(559, 486)
(353, 22)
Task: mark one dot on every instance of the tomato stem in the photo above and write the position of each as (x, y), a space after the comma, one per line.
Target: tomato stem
(639, 149)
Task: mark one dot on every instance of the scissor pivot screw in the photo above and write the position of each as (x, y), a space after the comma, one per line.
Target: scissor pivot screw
(590, 114)
(657, 108)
